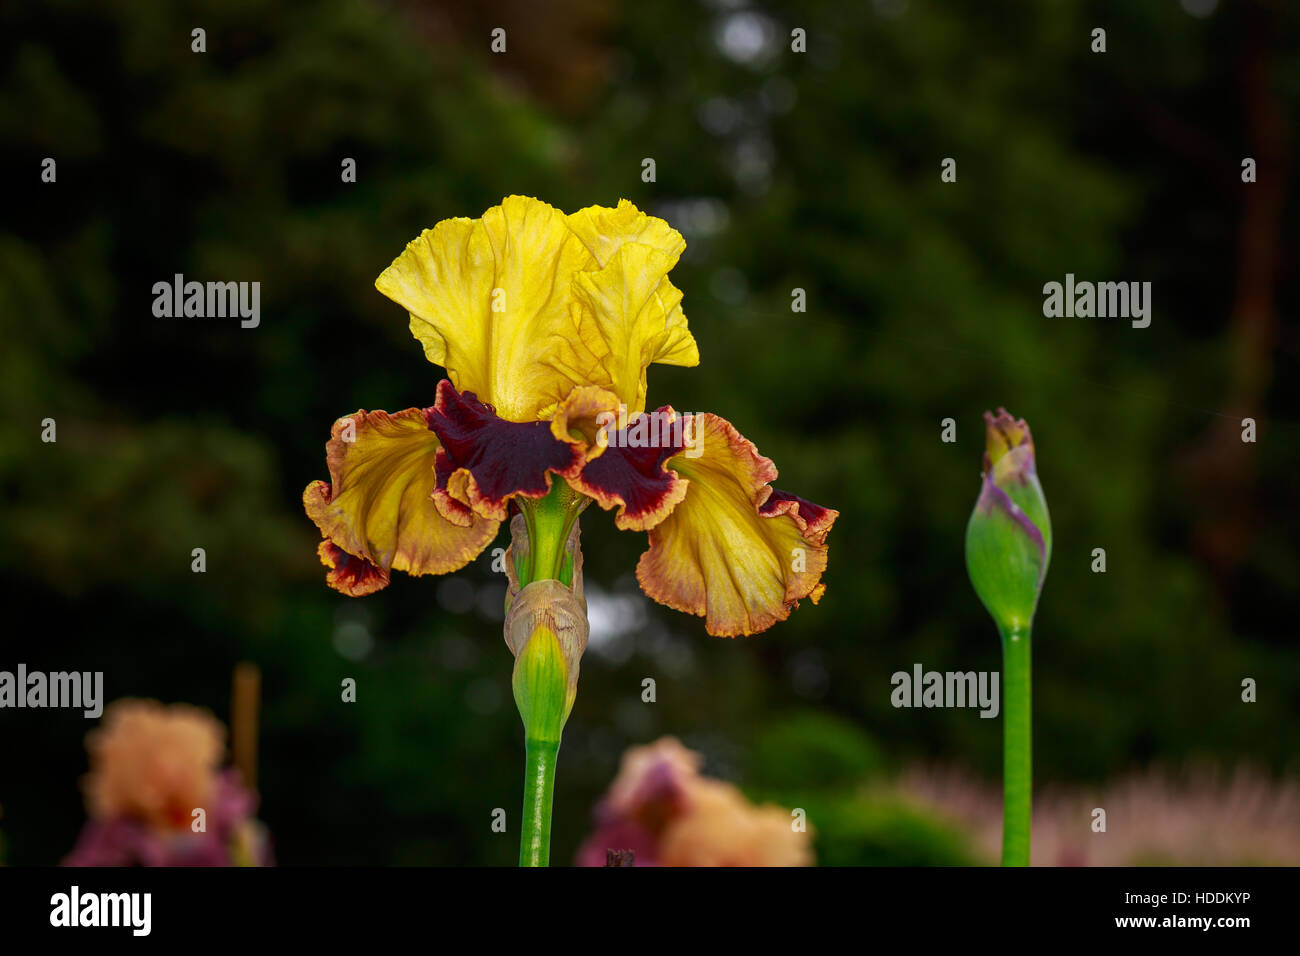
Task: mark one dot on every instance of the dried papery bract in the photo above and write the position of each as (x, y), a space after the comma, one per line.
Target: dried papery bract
(546, 630)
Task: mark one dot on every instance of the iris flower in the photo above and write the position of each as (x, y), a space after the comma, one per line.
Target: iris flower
(546, 324)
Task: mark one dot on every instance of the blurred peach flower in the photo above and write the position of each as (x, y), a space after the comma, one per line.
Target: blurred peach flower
(661, 808)
(151, 767)
(153, 763)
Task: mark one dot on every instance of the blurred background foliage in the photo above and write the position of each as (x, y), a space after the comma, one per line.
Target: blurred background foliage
(817, 171)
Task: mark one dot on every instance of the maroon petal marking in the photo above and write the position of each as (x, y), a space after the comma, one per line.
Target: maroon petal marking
(485, 460)
(632, 472)
(813, 520)
(353, 576)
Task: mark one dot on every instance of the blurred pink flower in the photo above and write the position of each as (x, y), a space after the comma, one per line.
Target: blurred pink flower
(668, 815)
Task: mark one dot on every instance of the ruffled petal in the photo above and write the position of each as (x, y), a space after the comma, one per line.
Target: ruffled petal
(604, 231)
(485, 460)
(490, 301)
(637, 314)
(444, 279)
(353, 576)
(376, 511)
(814, 522)
(632, 473)
(525, 304)
(734, 550)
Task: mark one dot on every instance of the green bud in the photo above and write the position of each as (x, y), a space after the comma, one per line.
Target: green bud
(1009, 537)
(541, 685)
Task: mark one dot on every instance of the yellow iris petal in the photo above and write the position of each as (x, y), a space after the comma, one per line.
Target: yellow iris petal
(638, 314)
(489, 300)
(445, 278)
(520, 309)
(604, 231)
(377, 506)
(725, 552)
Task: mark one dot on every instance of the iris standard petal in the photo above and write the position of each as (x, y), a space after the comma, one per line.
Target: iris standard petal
(637, 315)
(525, 304)
(490, 301)
(604, 230)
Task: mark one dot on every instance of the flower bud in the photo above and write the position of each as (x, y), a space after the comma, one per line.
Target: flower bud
(546, 629)
(1009, 537)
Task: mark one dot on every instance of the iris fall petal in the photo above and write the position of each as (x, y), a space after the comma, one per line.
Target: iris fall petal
(727, 552)
(485, 460)
(632, 473)
(377, 508)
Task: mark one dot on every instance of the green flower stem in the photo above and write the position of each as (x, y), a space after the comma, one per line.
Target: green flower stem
(539, 785)
(549, 521)
(1017, 747)
(540, 686)
(541, 678)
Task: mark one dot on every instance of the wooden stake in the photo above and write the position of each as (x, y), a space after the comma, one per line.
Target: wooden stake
(246, 690)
